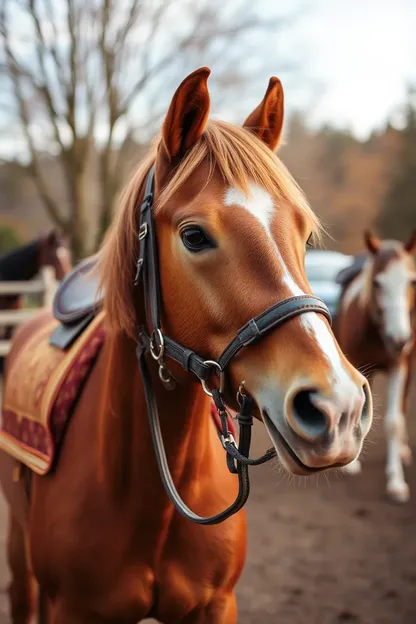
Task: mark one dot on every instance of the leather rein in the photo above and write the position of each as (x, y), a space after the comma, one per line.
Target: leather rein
(161, 346)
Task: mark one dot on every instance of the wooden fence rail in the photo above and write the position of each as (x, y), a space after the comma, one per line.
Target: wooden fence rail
(45, 285)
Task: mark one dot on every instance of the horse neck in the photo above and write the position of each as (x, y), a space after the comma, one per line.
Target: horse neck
(21, 263)
(127, 451)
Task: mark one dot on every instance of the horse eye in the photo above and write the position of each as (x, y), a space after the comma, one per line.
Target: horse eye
(195, 239)
(309, 242)
(376, 283)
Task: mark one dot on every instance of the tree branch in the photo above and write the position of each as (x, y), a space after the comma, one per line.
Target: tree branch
(34, 166)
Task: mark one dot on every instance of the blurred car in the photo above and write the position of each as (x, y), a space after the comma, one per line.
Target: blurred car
(322, 267)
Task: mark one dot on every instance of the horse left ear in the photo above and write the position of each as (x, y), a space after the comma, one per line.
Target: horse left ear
(267, 119)
(410, 246)
(187, 114)
(371, 241)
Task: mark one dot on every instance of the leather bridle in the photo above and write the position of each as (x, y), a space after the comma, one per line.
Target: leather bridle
(161, 346)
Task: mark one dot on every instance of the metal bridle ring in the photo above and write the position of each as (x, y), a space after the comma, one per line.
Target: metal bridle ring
(161, 346)
(165, 374)
(241, 393)
(221, 372)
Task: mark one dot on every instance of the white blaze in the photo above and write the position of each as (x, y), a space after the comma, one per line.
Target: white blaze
(260, 204)
(394, 283)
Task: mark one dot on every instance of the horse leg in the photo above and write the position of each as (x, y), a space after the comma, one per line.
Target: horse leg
(22, 586)
(397, 488)
(406, 451)
(221, 609)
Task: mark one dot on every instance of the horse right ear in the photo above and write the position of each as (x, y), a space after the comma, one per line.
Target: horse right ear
(52, 237)
(410, 246)
(371, 241)
(266, 121)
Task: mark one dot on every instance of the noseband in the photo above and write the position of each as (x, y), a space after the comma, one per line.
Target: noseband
(161, 346)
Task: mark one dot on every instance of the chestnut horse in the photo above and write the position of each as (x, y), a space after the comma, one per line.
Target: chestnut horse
(105, 542)
(374, 328)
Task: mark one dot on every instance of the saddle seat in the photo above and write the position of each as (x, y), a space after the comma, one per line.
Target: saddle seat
(77, 301)
(345, 276)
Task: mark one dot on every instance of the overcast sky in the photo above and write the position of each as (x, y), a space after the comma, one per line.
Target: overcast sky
(357, 58)
(363, 53)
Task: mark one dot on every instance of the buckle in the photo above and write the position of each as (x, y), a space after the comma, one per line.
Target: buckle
(228, 438)
(139, 265)
(143, 231)
(157, 345)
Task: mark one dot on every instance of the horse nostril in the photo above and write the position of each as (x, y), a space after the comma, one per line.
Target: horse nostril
(309, 420)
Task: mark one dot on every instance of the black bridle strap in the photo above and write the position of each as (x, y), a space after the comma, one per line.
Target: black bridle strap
(148, 255)
(188, 359)
(154, 424)
(252, 331)
(245, 421)
(160, 346)
(270, 319)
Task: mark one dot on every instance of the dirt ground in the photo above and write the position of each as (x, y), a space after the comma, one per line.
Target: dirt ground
(322, 551)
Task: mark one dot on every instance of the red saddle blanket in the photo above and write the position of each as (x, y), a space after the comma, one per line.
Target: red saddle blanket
(35, 411)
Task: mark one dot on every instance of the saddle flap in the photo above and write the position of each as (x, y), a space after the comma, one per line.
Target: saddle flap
(65, 335)
(78, 294)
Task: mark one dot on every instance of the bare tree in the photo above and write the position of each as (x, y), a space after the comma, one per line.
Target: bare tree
(81, 76)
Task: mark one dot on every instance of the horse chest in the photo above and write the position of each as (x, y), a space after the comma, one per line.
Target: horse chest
(196, 564)
(173, 570)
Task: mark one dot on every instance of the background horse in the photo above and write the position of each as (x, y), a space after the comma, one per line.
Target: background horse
(106, 544)
(25, 262)
(374, 328)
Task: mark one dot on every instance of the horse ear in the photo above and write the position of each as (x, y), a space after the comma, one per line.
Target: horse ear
(52, 237)
(410, 246)
(187, 114)
(267, 119)
(371, 241)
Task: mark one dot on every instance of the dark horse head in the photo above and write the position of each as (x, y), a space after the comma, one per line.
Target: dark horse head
(25, 262)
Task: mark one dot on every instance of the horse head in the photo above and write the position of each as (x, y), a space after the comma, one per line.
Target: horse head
(391, 292)
(54, 252)
(232, 228)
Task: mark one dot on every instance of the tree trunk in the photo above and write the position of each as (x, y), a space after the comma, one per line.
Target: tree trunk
(79, 223)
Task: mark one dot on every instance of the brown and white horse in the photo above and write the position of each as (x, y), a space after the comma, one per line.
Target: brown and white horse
(106, 544)
(375, 329)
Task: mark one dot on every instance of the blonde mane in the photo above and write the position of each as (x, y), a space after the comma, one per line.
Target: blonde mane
(239, 156)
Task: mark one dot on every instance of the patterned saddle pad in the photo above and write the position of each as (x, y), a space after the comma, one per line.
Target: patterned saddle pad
(36, 407)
